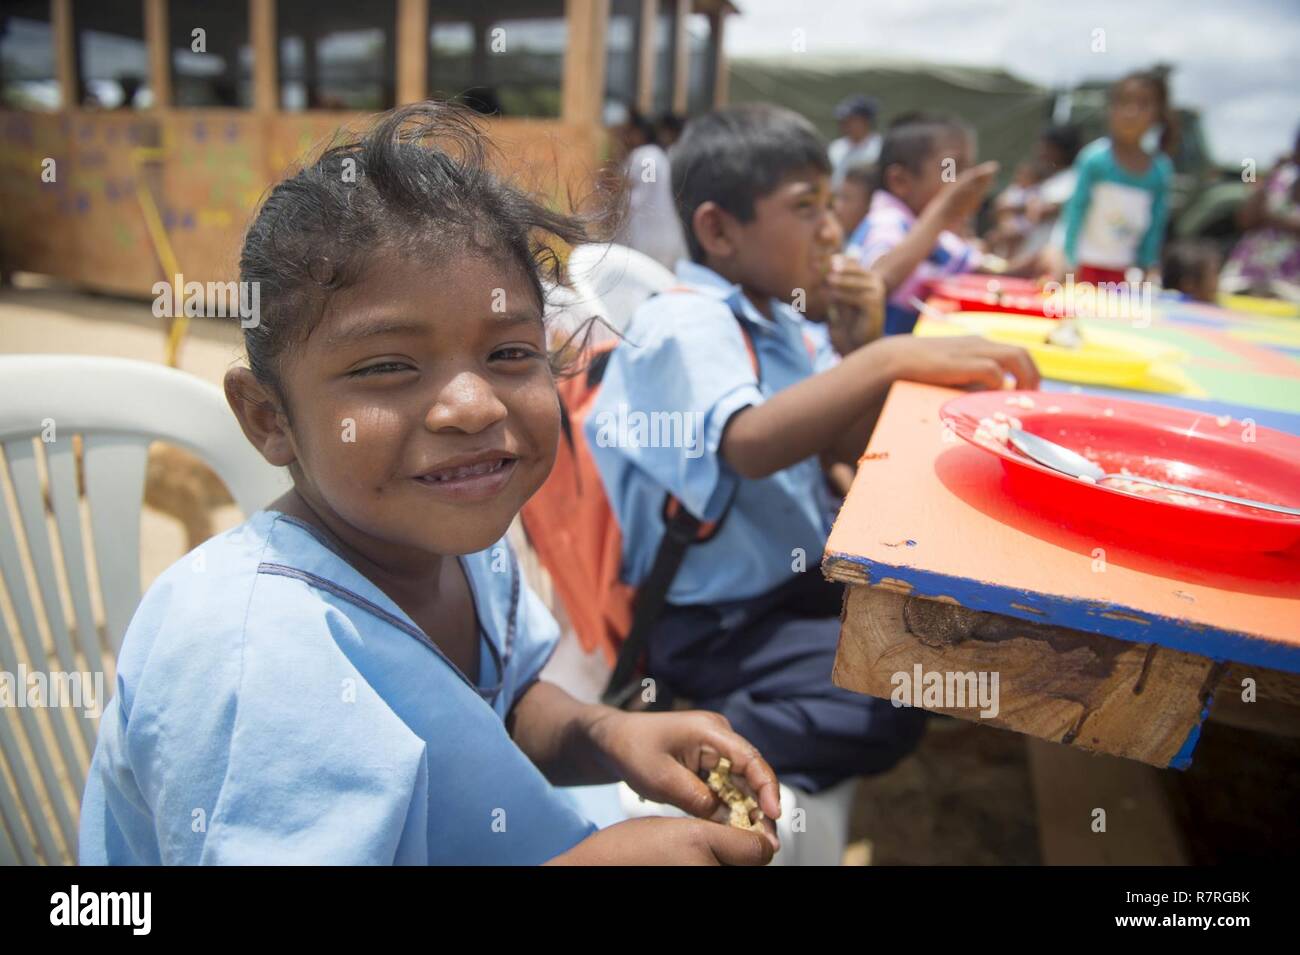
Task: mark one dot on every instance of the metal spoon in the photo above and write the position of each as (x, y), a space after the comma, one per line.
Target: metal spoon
(1076, 465)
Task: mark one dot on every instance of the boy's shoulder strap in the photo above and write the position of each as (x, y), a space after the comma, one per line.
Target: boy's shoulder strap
(681, 530)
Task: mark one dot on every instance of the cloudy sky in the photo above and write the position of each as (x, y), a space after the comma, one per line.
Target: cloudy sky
(1238, 61)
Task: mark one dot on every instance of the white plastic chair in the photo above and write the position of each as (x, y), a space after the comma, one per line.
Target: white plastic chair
(619, 277)
(118, 407)
(569, 309)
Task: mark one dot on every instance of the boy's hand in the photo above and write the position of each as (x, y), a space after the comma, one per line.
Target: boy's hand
(963, 197)
(968, 361)
(660, 755)
(658, 841)
(857, 304)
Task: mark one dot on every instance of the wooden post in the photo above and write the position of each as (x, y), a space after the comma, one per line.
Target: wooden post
(478, 56)
(412, 51)
(65, 53)
(645, 56)
(266, 86)
(584, 61)
(717, 21)
(157, 40)
(681, 57)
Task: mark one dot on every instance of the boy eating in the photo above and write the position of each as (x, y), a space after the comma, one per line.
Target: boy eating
(750, 627)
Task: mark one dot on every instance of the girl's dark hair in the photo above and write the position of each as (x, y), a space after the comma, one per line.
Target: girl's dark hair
(1164, 108)
(418, 182)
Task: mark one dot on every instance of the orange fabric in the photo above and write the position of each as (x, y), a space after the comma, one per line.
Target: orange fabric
(572, 527)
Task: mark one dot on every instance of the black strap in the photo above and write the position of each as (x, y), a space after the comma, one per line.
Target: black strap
(681, 530)
(679, 533)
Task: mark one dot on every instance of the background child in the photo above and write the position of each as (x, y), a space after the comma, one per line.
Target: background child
(1058, 145)
(649, 222)
(351, 676)
(853, 196)
(1016, 210)
(1267, 259)
(927, 188)
(1190, 270)
(1116, 218)
(751, 626)
(858, 143)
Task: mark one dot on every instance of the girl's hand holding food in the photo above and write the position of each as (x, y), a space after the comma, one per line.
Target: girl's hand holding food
(662, 757)
(661, 841)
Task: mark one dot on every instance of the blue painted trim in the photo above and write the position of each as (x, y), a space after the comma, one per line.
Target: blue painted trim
(1183, 758)
(1086, 615)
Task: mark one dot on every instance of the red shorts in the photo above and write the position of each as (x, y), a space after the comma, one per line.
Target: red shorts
(1090, 273)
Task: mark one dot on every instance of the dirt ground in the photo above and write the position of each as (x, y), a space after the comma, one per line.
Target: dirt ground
(966, 797)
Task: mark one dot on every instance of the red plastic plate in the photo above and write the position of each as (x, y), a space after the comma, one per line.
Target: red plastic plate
(991, 293)
(1195, 449)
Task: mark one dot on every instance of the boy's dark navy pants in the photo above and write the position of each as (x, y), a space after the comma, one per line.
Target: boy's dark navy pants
(765, 664)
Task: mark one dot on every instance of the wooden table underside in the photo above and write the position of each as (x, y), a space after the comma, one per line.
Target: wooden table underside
(1135, 700)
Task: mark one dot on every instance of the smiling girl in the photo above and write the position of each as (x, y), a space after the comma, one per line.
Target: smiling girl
(351, 676)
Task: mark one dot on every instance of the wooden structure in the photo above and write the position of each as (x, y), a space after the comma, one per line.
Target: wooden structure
(1122, 652)
(136, 190)
(1117, 652)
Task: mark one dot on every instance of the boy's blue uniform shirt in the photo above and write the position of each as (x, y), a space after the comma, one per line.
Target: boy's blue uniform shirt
(275, 706)
(685, 353)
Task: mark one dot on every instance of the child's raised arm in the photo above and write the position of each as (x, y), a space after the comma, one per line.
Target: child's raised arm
(1077, 209)
(953, 204)
(829, 411)
(1148, 253)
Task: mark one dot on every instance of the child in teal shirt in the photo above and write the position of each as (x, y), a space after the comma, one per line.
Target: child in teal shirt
(1116, 219)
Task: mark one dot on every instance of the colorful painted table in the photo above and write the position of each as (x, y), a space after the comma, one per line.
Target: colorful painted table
(1105, 645)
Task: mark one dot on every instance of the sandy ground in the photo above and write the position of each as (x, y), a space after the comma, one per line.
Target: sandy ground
(965, 797)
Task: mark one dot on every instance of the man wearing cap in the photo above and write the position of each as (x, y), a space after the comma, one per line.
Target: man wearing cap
(859, 143)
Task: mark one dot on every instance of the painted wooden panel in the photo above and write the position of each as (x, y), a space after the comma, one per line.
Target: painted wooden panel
(930, 515)
(205, 171)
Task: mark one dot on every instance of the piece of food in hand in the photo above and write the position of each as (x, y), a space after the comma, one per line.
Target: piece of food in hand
(740, 805)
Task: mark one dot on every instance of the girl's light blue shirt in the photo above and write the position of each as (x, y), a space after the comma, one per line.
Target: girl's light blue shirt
(274, 706)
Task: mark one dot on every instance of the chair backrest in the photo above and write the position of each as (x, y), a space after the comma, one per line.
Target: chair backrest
(568, 311)
(80, 559)
(621, 278)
